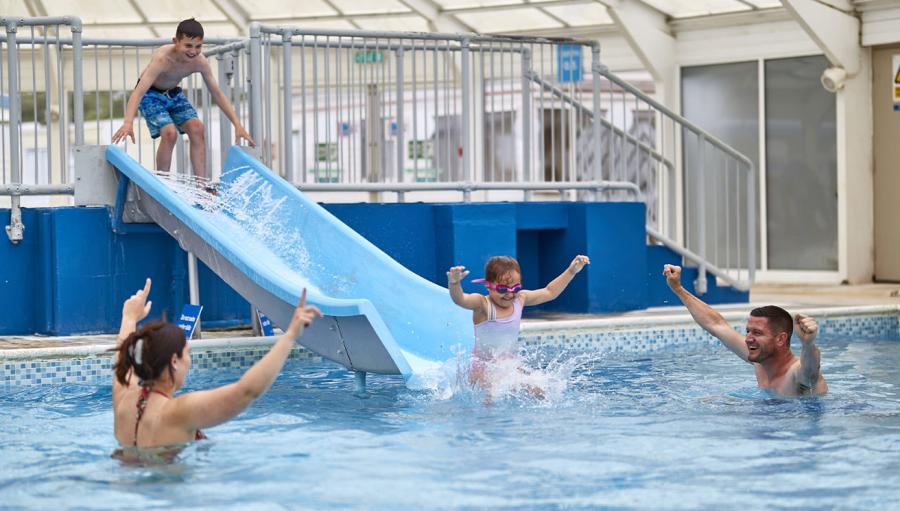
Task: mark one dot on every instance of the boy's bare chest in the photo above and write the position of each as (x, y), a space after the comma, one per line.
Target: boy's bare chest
(173, 73)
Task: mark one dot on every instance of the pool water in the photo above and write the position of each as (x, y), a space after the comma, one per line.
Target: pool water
(682, 429)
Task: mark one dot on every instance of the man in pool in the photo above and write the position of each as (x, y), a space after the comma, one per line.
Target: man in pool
(767, 344)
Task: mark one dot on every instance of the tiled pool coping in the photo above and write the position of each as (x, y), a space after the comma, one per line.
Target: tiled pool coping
(90, 364)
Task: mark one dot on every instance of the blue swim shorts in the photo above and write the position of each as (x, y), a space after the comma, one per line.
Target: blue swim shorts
(161, 109)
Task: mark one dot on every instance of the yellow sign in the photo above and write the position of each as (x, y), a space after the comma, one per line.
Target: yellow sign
(896, 85)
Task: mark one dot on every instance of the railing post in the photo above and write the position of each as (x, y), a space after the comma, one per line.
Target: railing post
(226, 72)
(751, 223)
(466, 116)
(288, 123)
(78, 92)
(400, 119)
(598, 113)
(15, 229)
(256, 84)
(700, 283)
(526, 119)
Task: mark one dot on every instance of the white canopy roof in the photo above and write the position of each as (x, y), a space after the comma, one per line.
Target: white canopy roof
(137, 19)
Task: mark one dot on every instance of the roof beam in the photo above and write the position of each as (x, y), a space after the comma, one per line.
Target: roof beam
(144, 19)
(235, 13)
(833, 28)
(504, 7)
(438, 20)
(648, 34)
(341, 14)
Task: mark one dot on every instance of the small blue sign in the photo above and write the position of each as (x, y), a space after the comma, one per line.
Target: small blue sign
(568, 63)
(265, 324)
(190, 318)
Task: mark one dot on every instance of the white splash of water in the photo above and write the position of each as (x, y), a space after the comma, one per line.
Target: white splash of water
(247, 210)
(525, 376)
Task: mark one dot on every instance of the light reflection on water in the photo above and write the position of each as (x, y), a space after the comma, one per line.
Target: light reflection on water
(677, 430)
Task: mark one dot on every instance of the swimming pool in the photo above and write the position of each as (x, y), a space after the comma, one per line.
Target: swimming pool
(683, 428)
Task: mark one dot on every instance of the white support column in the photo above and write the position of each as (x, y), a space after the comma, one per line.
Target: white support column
(836, 31)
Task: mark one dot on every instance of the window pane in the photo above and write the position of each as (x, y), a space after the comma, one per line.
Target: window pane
(801, 166)
(723, 100)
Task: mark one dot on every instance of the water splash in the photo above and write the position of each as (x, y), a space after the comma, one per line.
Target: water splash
(249, 212)
(533, 377)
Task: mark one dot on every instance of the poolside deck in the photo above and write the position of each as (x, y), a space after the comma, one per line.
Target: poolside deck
(791, 296)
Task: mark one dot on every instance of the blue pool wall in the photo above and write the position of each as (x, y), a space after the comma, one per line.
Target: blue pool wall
(76, 265)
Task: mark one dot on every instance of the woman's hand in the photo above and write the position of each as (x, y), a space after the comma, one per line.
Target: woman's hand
(303, 317)
(136, 307)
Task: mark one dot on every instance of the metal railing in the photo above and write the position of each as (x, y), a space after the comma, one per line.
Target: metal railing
(719, 212)
(376, 112)
(50, 80)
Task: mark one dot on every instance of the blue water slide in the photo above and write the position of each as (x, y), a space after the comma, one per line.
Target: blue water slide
(268, 241)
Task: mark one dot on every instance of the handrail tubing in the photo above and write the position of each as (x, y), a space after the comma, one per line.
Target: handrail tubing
(93, 41)
(674, 116)
(587, 112)
(471, 186)
(741, 285)
(378, 34)
(15, 190)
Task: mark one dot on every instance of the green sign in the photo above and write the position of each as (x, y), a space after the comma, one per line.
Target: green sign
(327, 151)
(368, 57)
(420, 149)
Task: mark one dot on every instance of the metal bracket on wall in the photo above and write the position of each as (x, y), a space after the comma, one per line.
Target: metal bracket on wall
(15, 231)
(128, 216)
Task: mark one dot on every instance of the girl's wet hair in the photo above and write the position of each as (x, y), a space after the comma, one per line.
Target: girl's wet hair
(149, 350)
(498, 266)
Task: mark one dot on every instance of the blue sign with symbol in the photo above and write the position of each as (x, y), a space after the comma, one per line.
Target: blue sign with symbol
(190, 318)
(568, 63)
(265, 324)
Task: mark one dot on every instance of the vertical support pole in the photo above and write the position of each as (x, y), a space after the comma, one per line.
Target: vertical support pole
(15, 228)
(359, 382)
(193, 284)
(78, 92)
(526, 119)
(226, 71)
(256, 84)
(700, 283)
(598, 115)
(400, 120)
(751, 223)
(466, 117)
(288, 122)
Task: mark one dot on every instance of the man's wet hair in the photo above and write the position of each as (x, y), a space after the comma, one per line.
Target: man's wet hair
(779, 319)
(190, 28)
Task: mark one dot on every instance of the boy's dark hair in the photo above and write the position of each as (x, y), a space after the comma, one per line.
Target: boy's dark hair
(499, 266)
(779, 319)
(189, 28)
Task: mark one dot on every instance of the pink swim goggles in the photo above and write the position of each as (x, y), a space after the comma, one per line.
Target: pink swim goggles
(500, 288)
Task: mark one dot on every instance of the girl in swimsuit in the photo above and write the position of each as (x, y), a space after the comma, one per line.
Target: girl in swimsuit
(150, 365)
(497, 315)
